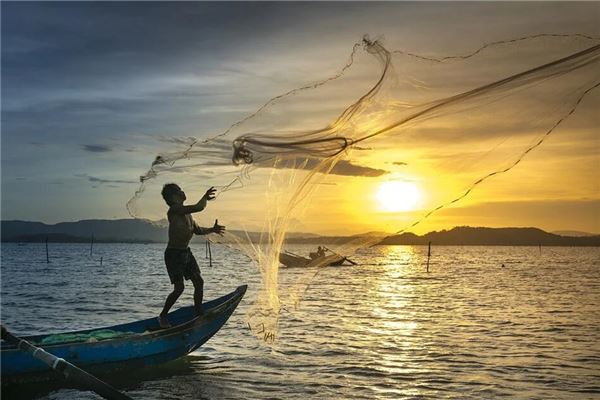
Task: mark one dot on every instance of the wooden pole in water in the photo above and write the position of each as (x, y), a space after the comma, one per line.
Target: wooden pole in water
(69, 370)
(92, 244)
(47, 255)
(428, 255)
(209, 254)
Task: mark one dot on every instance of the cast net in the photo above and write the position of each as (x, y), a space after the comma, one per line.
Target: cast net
(310, 157)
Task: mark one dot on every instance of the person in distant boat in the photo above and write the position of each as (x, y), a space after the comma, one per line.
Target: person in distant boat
(320, 251)
(179, 259)
(317, 254)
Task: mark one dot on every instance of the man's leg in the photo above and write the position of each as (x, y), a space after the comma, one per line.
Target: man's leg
(171, 299)
(198, 292)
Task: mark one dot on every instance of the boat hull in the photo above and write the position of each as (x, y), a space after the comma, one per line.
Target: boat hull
(293, 261)
(148, 346)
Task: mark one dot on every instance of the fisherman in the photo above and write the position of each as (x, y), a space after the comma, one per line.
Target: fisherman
(179, 259)
(320, 251)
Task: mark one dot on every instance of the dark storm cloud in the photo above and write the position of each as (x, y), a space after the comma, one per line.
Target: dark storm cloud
(62, 44)
(74, 65)
(96, 148)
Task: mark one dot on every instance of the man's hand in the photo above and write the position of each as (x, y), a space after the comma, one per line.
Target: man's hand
(210, 193)
(218, 229)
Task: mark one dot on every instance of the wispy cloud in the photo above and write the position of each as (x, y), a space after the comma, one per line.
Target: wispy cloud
(343, 168)
(186, 141)
(96, 148)
(95, 179)
(346, 168)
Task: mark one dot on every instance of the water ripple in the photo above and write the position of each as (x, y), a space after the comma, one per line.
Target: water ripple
(384, 329)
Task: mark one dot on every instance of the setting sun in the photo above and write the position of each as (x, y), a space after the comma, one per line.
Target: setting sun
(397, 196)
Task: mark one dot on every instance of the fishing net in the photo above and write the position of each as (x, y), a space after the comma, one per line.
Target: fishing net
(90, 337)
(445, 124)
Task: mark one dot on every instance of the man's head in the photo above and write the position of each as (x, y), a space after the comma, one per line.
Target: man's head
(173, 194)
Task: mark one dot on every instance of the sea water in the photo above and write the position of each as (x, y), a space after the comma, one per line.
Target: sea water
(383, 329)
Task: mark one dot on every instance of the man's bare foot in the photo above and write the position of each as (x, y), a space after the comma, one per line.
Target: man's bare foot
(198, 313)
(163, 322)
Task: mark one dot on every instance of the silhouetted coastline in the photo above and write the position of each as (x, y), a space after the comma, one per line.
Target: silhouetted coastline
(138, 231)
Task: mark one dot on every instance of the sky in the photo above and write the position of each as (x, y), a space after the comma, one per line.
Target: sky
(91, 92)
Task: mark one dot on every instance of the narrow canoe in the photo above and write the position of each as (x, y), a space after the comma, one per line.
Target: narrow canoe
(144, 343)
(294, 261)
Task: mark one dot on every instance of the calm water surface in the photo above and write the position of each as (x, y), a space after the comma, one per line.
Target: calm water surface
(384, 329)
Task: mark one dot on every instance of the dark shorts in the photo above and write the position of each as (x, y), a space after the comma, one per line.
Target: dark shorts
(181, 264)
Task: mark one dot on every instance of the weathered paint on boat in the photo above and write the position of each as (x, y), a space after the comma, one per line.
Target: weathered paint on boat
(149, 346)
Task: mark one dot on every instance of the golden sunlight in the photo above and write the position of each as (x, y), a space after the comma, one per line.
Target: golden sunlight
(398, 196)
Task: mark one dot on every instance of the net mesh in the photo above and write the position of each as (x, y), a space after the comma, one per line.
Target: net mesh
(445, 124)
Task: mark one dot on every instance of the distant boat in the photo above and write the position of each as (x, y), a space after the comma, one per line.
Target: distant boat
(291, 260)
(136, 344)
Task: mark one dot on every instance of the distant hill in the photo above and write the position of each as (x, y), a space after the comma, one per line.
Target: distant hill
(466, 235)
(573, 233)
(117, 230)
(133, 230)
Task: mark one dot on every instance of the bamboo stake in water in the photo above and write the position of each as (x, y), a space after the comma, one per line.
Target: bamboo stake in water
(47, 255)
(428, 255)
(92, 244)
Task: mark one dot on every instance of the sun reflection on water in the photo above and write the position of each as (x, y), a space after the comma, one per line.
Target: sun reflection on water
(395, 296)
(398, 315)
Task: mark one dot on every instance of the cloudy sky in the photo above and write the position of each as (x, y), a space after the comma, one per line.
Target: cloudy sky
(91, 92)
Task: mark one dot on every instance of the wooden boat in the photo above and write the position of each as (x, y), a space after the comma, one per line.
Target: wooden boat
(340, 260)
(294, 261)
(143, 343)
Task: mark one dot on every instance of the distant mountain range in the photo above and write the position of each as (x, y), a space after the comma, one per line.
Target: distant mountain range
(465, 235)
(573, 233)
(115, 230)
(136, 231)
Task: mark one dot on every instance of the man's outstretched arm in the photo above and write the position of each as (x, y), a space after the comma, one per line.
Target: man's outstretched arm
(216, 228)
(199, 206)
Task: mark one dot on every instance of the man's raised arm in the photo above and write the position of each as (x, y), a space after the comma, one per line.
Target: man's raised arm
(199, 206)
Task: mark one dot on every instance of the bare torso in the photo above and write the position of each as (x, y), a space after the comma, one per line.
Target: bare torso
(181, 230)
